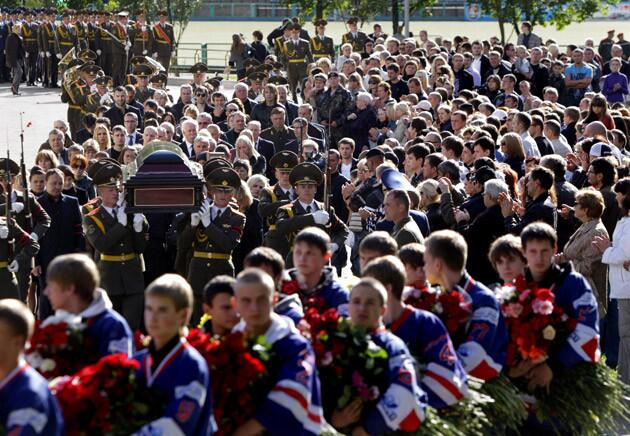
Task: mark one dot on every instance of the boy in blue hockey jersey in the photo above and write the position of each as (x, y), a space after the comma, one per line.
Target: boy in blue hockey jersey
(26, 405)
(401, 406)
(293, 406)
(218, 306)
(572, 293)
(443, 377)
(73, 287)
(170, 365)
(312, 277)
(483, 349)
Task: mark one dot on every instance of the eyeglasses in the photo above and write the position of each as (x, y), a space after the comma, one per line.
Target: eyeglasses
(201, 94)
(78, 167)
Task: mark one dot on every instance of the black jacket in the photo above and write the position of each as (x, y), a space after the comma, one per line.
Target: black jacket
(539, 209)
(117, 116)
(480, 233)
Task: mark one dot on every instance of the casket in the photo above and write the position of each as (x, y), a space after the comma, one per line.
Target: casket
(163, 180)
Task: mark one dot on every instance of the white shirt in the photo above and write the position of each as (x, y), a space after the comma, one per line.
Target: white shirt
(110, 210)
(289, 192)
(313, 206)
(345, 170)
(561, 147)
(215, 211)
(529, 144)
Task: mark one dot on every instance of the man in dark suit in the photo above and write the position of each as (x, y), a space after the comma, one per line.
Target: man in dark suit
(241, 91)
(314, 130)
(65, 234)
(132, 134)
(337, 181)
(480, 62)
(292, 108)
(238, 123)
(116, 114)
(185, 97)
(496, 66)
(189, 133)
(463, 79)
(263, 146)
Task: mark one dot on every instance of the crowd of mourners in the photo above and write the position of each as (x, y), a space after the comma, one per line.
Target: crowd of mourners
(361, 175)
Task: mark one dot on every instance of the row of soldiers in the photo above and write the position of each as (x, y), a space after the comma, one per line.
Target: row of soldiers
(113, 37)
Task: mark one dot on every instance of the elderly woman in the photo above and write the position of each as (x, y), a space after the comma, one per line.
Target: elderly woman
(360, 122)
(79, 164)
(102, 137)
(586, 259)
(245, 150)
(256, 184)
(617, 256)
(430, 204)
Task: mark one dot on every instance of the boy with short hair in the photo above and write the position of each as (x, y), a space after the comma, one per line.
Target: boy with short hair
(270, 261)
(218, 307)
(293, 405)
(376, 244)
(312, 277)
(27, 406)
(483, 350)
(73, 286)
(412, 257)
(506, 257)
(401, 406)
(444, 378)
(170, 365)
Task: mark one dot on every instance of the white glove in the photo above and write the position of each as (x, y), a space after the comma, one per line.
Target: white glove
(34, 236)
(205, 215)
(334, 247)
(42, 54)
(138, 221)
(4, 232)
(93, 87)
(98, 52)
(127, 45)
(26, 55)
(321, 217)
(14, 266)
(143, 28)
(122, 216)
(195, 219)
(144, 52)
(17, 207)
(59, 56)
(154, 56)
(104, 99)
(48, 54)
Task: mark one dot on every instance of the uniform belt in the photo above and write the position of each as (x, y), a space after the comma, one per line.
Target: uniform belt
(297, 61)
(218, 256)
(118, 258)
(29, 39)
(75, 106)
(322, 55)
(4, 264)
(159, 41)
(66, 43)
(272, 227)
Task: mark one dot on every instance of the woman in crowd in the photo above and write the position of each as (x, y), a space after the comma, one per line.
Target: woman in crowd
(240, 51)
(430, 204)
(361, 121)
(79, 165)
(513, 152)
(245, 150)
(46, 159)
(128, 154)
(598, 111)
(256, 184)
(70, 188)
(102, 137)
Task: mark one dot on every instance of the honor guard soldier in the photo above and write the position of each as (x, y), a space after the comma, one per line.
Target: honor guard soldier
(279, 44)
(81, 29)
(120, 48)
(141, 37)
(355, 37)
(305, 212)
(164, 41)
(216, 231)
(143, 91)
(76, 96)
(322, 45)
(199, 71)
(30, 30)
(66, 35)
(103, 42)
(120, 239)
(50, 47)
(298, 55)
(17, 247)
(91, 30)
(101, 96)
(276, 196)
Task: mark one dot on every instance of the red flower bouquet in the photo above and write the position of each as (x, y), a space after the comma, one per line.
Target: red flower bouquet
(105, 398)
(533, 319)
(350, 364)
(241, 375)
(452, 307)
(60, 348)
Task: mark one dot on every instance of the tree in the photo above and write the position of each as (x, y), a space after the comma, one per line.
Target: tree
(559, 13)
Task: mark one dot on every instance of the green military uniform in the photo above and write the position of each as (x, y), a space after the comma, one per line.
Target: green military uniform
(356, 39)
(279, 137)
(29, 35)
(103, 44)
(93, 100)
(16, 249)
(50, 47)
(214, 240)
(142, 40)
(293, 217)
(199, 71)
(120, 48)
(298, 56)
(322, 46)
(67, 37)
(164, 38)
(274, 197)
(407, 232)
(76, 97)
(120, 246)
(143, 93)
(81, 29)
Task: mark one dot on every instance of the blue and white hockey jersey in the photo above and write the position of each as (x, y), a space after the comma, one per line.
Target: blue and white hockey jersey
(183, 377)
(402, 405)
(334, 294)
(26, 405)
(293, 406)
(443, 377)
(107, 327)
(483, 352)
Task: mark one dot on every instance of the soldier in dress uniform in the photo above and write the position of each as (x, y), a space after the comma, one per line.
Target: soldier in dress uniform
(120, 239)
(76, 95)
(81, 28)
(141, 37)
(36, 224)
(276, 196)
(103, 42)
(66, 35)
(278, 133)
(216, 230)
(298, 56)
(101, 95)
(30, 29)
(322, 45)
(164, 41)
(91, 30)
(305, 211)
(50, 47)
(279, 47)
(355, 37)
(199, 71)
(120, 48)
(143, 90)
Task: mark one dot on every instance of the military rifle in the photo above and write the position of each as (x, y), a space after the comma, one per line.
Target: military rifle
(7, 211)
(25, 193)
